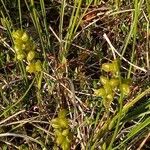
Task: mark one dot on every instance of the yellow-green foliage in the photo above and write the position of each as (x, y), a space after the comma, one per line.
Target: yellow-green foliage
(110, 85)
(25, 50)
(62, 130)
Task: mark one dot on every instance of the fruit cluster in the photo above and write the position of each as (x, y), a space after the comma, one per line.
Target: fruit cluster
(110, 85)
(25, 50)
(61, 130)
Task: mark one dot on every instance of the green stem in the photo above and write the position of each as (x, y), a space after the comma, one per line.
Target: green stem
(118, 122)
(73, 22)
(20, 16)
(39, 83)
(61, 50)
(136, 15)
(37, 25)
(119, 113)
(45, 22)
(24, 73)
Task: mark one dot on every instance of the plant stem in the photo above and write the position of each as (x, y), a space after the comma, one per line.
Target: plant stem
(20, 16)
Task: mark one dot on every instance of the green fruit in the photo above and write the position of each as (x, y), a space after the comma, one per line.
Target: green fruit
(110, 97)
(115, 67)
(106, 104)
(60, 123)
(114, 82)
(60, 139)
(63, 122)
(125, 89)
(111, 67)
(65, 146)
(30, 56)
(18, 43)
(31, 68)
(17, 48)
(106, 67)
(108, 88)
(38, 66)
(24, 37)
(100, 92)
(56, 123)
(65, 132)
(57, 131)
(23, 46)
(17, 34)
(20, 56)
(104, 80)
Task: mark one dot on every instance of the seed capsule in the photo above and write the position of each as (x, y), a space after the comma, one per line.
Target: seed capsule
(114, 82)
(63, 123)
(60, 139)
(65, 145)
(30, 55)
(106, 67)
(125, 89)
(17, 48)
(31, 68)
(104, 80)
(38, 66)
(24, 37)
(20, 56)
(115, 68)
(65, 132)
(55, 124)
(100, 92)
(110, 97)
(108, 88)
(17, 34)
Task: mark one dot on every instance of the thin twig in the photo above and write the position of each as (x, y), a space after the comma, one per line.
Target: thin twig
(114, 50)
(144, 141)
(55, 34)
